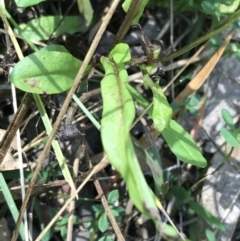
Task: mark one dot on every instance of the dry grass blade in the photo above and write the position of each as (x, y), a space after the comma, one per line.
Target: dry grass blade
(202, 75)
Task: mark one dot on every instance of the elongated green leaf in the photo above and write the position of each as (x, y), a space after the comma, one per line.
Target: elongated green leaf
(153, 159)
(228, 118)
(47, 72)
(229, 137)
(161, 112)
(126, 5)
(27, 3)
(117, 118)
(182, 145)
(210, 235)
(43, 27)
(207, 215)
(85, 8)
(179, 141)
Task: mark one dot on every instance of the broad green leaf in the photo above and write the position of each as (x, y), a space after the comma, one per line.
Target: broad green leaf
(229, 137)
(113, 196)
(182, 145)
(117, 117)
(103, 223)
(85, 8)
(161, 111)
(120, 53)
(48, 72)
(43, 27)
(27, 3)
(228, 118)
(215, 222)
(210, 235)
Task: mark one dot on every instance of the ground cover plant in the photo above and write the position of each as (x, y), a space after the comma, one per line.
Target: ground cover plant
(60, 70)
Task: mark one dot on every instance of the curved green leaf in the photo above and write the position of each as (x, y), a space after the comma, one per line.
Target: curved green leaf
(120, 53)
(229, 137)
(227, 118)
(182, 145)
(85, 8)
(103, 223)
(43, 27)
(27, 3)
(161, 112)
(47, 72)
(117, 118)
(215, 222)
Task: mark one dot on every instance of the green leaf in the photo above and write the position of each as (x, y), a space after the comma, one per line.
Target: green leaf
(113, 196)
(27, 3)
(181, 193)
(229, 137)
(97, 208)
(118, 211)
(126, 5)
(103, 223)
(215, 222)
(47, 72)
(117, 117)
(106, 238)
(153, 159)
(182, 145)
(43, 27)
(55, 47)
(85, 8)
(120, 53)
(228, 118)
(161, 112)
(210, 235)
(169, 232)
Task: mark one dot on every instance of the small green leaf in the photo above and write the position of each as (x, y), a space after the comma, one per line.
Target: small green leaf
(169, 232)
(103, 223)
(175, 106)
(106, 238)
(119, 211)
(228, 118)
(48, 72)
(27, 3)
(215, 222)
(194, 100)
(120, 53)
(210, 235)
(182, 145)
(85, 8)
(113, 196)
(126, 5)
(229, 137)
(43, 27)
(97, 208)
(63, 231)
(181, 193)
